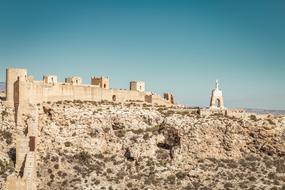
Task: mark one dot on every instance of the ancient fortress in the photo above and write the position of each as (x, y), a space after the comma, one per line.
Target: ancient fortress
(24, 93)
(23, 88)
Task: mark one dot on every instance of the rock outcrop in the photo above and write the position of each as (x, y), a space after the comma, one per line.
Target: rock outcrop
(89, 145)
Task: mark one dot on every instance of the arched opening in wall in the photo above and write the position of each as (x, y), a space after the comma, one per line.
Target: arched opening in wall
(52, 80)
(218, 102)
(76, 81)
(166, 96)
(104, 86)
(114, 98)
(140, 88)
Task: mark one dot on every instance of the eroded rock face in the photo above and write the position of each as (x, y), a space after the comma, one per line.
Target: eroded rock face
(7, 143)
(84, 145)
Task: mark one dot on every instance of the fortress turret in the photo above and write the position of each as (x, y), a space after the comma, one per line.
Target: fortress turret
(12, 76)
(137, 85)
(73, 80)
(102, 82)
(50, 79)
(169, 97)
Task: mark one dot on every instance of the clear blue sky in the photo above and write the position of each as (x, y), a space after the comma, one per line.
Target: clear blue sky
(178, 46)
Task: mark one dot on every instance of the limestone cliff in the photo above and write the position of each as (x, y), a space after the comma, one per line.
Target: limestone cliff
(87, 145)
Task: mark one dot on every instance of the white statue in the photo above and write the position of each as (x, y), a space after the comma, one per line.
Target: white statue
(217, 97)
(217, 84)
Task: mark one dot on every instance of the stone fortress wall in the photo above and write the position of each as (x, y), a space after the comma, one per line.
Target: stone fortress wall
(23, 88)
(23, 93)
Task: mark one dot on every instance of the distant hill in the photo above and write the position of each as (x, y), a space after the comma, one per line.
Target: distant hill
(265, 111)
(2, 86)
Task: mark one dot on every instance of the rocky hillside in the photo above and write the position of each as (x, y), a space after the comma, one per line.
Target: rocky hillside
(85, 145)
(7, 143)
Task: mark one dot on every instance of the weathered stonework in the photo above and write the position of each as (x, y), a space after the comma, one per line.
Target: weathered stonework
(108, 145)
(50, 79)
(23, 92)
(102, 82)
(168, 96)
(12, 76)
(73, 80)
(137, 86)
(21, 87)
(26, 140)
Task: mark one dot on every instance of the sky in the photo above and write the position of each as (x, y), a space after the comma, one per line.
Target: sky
(173, 45)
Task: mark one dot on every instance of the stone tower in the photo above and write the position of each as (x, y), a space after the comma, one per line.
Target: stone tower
(50, 79)
(12, 76)
(217, 96)
(17, 95)
(103, 82)
(73, 80)
(137, 85)
(169, 97)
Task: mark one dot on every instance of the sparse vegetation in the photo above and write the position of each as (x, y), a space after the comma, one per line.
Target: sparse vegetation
(4, 114)
(83, 158)
(271, 122)
(6, 168)
(136, 148)
(253, 117)
(67, 144)
(6, 136)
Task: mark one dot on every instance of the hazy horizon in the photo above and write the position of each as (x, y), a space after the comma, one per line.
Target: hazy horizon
(177, 46)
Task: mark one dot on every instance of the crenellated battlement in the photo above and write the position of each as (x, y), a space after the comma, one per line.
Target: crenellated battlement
(21, 87)
(23, 92)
